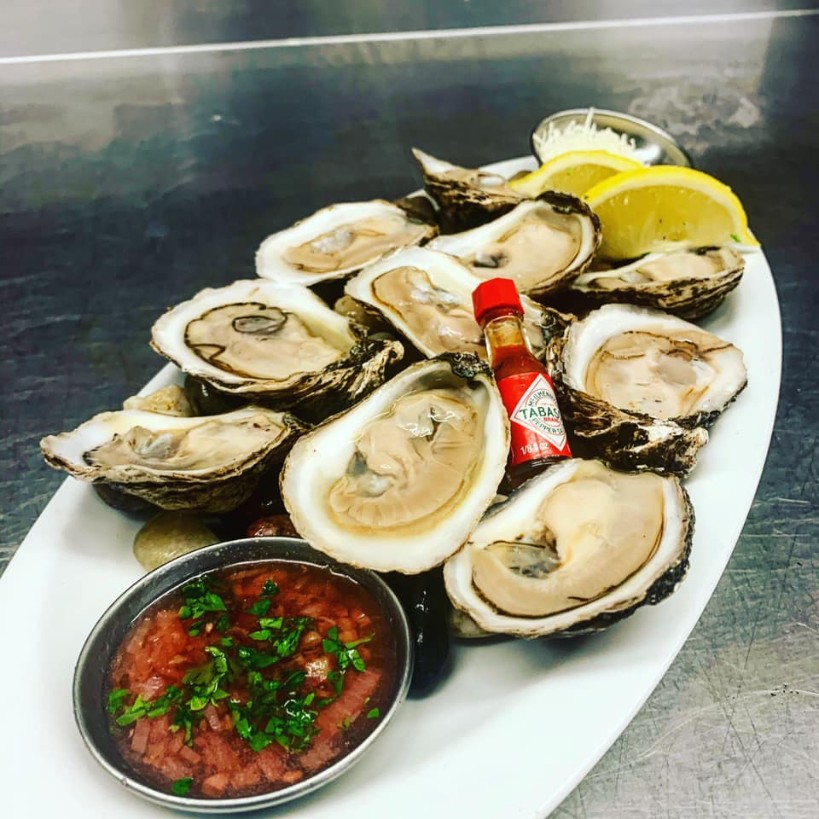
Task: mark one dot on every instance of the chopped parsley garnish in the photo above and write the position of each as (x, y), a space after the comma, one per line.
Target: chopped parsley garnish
(346, 653)
(205, 682)
(252, 658)
(144, 708)
(116, 699)
(276, 712)
(283, 633)
(199, 600)
(181, 786)
(261, 607)
(337, 679)
(253, 672)
(735, 238)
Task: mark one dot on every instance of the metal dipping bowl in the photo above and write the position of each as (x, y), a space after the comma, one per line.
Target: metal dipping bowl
(654, 146)
(91, 673)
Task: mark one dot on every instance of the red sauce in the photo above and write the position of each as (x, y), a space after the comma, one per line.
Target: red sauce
(250, 680)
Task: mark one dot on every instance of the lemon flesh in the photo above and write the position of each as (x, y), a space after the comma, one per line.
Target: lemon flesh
(573, 172)
(666, 207)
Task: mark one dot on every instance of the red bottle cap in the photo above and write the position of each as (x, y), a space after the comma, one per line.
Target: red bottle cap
(495, 294)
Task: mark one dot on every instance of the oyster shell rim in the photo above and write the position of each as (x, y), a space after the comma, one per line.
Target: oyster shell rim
(590, 617)
(688, 297)
(562, 203)
(366, 276)
(215, 490)
(274, 269)
(365, 360)
(462, 365)
(462, 205)
(702, 417)
(629, 439)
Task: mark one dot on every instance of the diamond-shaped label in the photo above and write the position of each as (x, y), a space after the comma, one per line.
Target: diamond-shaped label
(537, 410)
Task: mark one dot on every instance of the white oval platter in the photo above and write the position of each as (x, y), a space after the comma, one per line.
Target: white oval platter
(515, 726)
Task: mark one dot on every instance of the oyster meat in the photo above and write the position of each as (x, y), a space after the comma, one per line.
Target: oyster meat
(542, 244)
(687, 283)
(398, 482)
(277, 343)
(640, 386)
(338, 240)
(574, 549)
(427, 296)
(208, 463)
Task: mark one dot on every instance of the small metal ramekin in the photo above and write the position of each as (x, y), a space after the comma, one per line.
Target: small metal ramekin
(654, 146)
(94, 663)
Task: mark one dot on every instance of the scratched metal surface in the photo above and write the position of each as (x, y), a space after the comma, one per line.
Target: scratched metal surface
(117, 24)
(127, 184)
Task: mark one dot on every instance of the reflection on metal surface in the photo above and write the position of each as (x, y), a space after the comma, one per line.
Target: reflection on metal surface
(127, 184)
(435, 34)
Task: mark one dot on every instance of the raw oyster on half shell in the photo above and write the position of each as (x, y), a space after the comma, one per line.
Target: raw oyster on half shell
(398, 482)
(208, 463)
(640, 387)
(687, 283)
(271, 342)
(427, 296)
(467, 197)
(573, 550)
(338, 240)
(541, 244)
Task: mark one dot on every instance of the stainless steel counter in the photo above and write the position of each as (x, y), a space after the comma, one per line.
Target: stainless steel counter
(129, 181)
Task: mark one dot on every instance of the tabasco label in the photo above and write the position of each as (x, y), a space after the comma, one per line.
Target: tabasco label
(537, 427)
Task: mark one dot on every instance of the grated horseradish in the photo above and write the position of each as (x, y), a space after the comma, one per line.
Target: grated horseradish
(585, 136)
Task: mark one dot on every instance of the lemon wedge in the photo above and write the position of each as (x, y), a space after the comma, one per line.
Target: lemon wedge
(573, 172)
(665, 207)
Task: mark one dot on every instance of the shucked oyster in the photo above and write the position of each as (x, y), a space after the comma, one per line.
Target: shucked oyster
(427, 296)
(574, 549)
(687, 283)
(398, 482)
(468, 197)
(542, 244)
(640, 386)
(209, 464)
(338, 240)
(273, 342)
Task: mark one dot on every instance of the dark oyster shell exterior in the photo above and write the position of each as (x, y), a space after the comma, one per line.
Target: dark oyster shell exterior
(464, 205)
(626, 440)
(689, 298)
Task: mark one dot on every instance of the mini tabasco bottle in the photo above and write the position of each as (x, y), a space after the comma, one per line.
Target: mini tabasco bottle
(538, 434)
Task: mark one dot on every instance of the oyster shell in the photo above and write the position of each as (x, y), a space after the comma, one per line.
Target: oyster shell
(338, 240)
(687, 283)
(541, 244)
(640, 386)
(398, 482)
(573, 550)
(271, 342)
(427, 296)
(209, 464)
(467, 197)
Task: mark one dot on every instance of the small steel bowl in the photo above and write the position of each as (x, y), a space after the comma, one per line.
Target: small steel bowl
(94, 663)
(654, 146)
